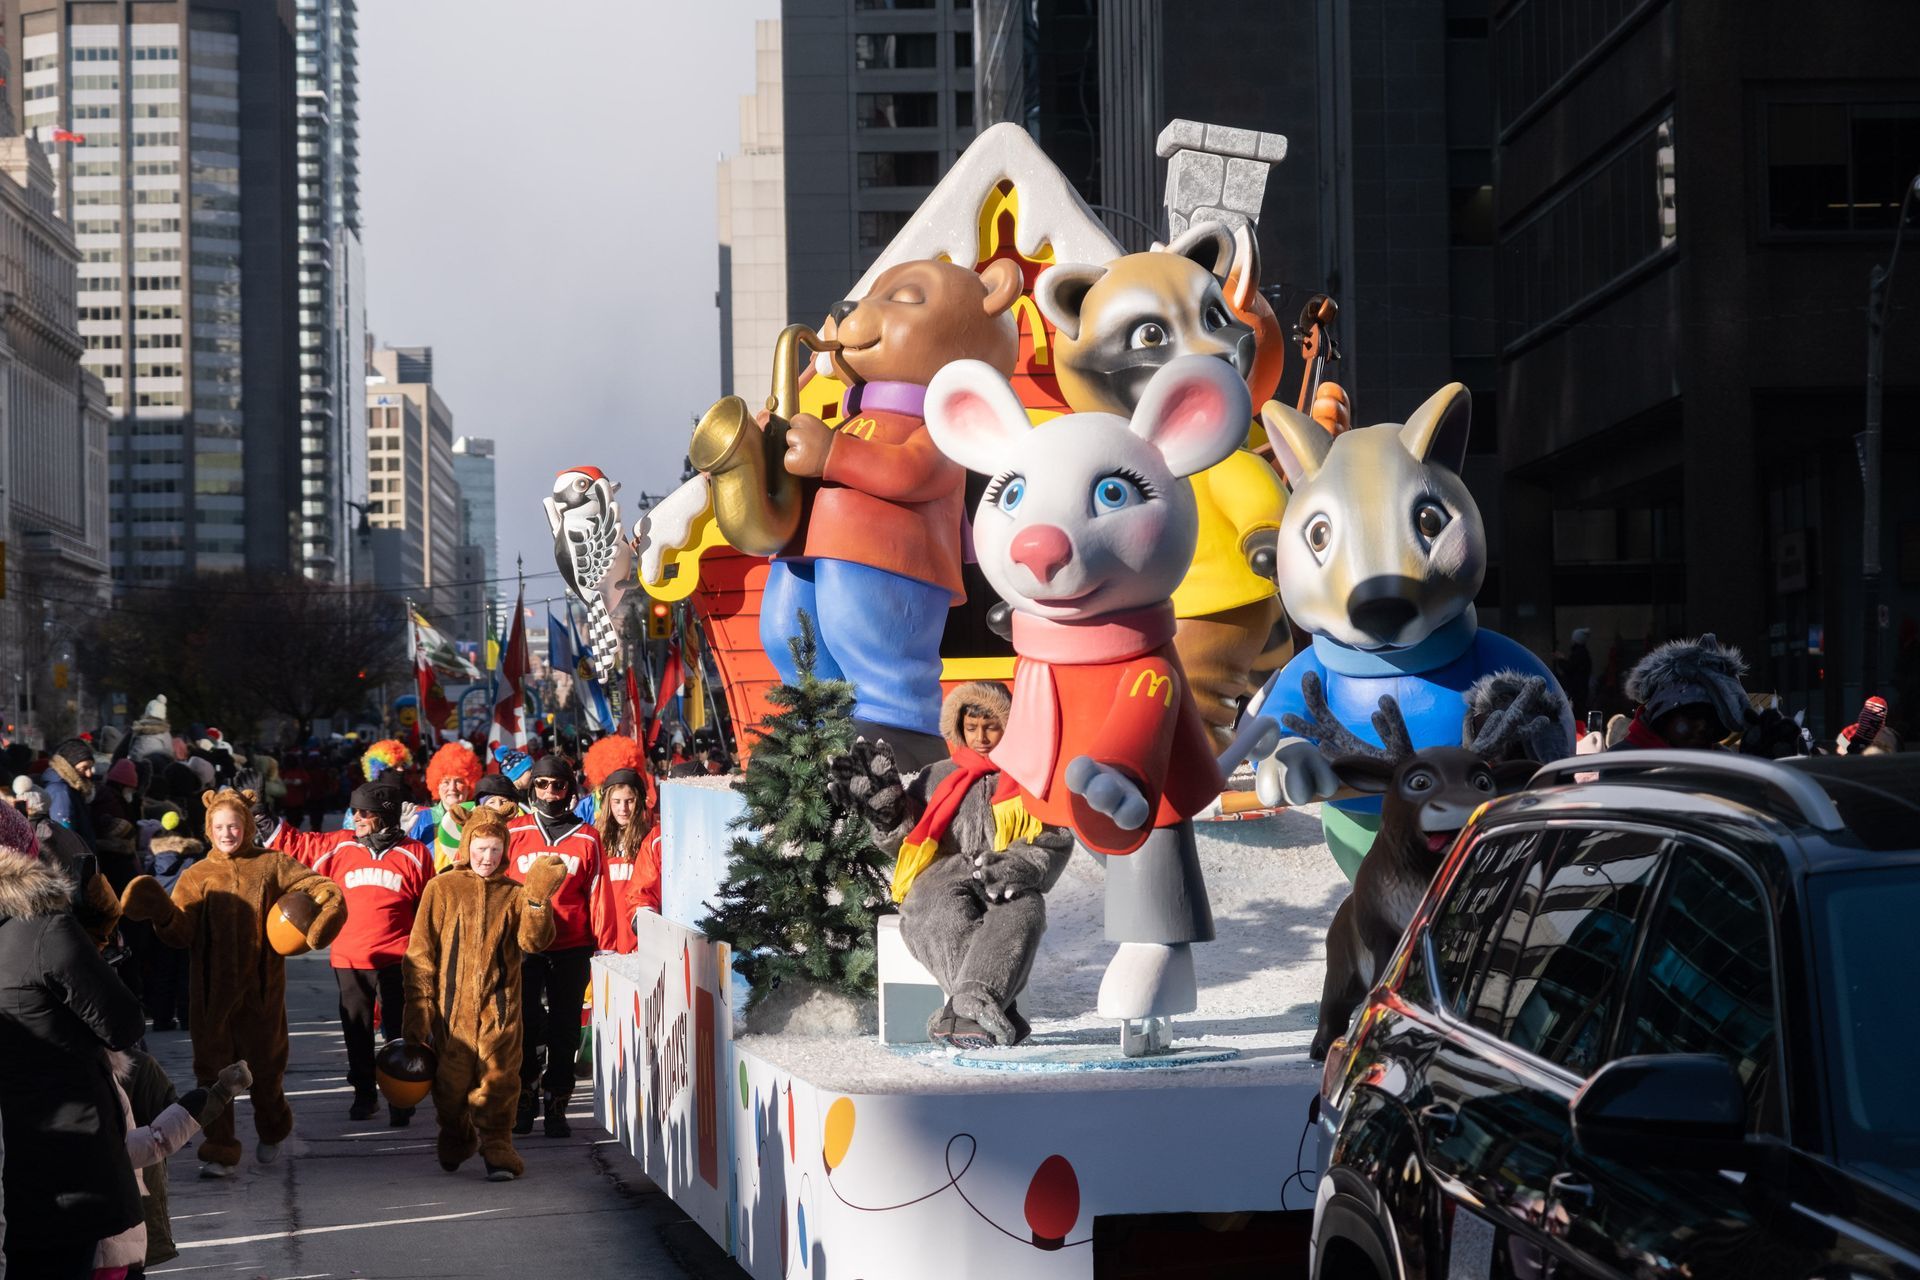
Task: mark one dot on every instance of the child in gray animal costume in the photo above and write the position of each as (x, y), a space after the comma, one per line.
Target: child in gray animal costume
(971, 915)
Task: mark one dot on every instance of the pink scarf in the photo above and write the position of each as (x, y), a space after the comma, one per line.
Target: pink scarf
(1029, 750)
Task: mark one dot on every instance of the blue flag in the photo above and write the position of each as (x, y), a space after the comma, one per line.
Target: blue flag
(560, 645)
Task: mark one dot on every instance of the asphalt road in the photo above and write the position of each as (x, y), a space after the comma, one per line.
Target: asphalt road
(360, 1199)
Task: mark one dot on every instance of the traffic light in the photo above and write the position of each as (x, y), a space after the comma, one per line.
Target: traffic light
(660, 621)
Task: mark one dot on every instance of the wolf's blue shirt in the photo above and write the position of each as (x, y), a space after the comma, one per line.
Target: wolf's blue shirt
(1429, 681)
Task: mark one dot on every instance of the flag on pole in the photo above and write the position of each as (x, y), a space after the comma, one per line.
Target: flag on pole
(630, 717)
(593, 695)
(560, 651)
(67, 135)
(440, 653)
(509, 719)
(672, 676)
(492, 655)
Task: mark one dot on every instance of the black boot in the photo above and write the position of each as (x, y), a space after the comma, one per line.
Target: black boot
(523, 1114)
(556, 1113)
(399, 1117)
(365, 1103)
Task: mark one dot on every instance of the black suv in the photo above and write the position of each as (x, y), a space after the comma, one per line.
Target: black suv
(1649, 1024)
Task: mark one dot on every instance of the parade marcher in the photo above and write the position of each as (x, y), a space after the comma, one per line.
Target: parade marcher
(68, 1182)
(452, 775)
(972, 915)
(148, 1146)
(627, 819)
(381, 872)
(555, 981)
(463, 981)
(497, 793)
(218, 911)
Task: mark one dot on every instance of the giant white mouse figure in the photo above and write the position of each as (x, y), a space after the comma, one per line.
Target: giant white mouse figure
(1086, 527)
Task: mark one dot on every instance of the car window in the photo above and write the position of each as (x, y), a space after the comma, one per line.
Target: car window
(1478, 895)
(1705, 984)
(1556, 963)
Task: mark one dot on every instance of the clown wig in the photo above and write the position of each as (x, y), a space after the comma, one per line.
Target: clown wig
(455, 760)
(388, 753)
(610, 753)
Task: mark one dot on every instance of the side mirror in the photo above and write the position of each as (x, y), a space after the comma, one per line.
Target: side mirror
(1671, 1110)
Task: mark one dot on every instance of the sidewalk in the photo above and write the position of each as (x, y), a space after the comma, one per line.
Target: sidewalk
(359, 1199)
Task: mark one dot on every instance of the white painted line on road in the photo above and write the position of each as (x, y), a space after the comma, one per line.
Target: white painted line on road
(321, 1231)
(411, 1146)
(424, 1204)
(306, 1093)
(182, 1217)
(310, 1033)
(208, 1266)
(311, 1275)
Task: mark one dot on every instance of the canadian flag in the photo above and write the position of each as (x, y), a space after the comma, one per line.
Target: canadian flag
(509, 717)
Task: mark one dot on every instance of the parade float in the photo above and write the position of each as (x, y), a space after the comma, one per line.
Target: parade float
(873, 1152)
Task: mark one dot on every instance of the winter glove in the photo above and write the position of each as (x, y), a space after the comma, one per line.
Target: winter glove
(543, 878)
(205, 1105)
(145, 899)
(409, 814)
(866, 781)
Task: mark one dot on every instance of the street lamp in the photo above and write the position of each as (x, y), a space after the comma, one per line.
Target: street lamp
(1879, 293)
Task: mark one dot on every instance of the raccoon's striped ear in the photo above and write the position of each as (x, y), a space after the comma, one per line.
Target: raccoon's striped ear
(1300, 444)
(1060, 292)
(1437, 431)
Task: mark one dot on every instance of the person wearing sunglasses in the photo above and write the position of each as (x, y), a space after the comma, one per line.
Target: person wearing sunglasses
(554, 981)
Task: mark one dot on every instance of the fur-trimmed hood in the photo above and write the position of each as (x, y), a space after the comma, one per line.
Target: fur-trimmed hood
(32, 887)
(148, 727)
(177, 843)
(1683, 672)
(988, 695)
(62, 768)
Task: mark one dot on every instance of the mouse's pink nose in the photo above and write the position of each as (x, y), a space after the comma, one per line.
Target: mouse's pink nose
(1043, 549)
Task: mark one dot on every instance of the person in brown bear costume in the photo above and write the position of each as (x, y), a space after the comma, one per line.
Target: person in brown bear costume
(238, 1005)
(463, 989)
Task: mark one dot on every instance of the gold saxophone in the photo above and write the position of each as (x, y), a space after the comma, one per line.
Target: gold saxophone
(756, 500)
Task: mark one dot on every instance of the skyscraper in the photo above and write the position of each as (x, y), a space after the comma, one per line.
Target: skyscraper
(751, 203)
(410, 484)
(473, 471)
(855, 171)
(185, 225)
(332, 313)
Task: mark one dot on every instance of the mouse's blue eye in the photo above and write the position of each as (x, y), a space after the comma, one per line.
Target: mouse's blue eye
(1111, 493)
(1010, 494)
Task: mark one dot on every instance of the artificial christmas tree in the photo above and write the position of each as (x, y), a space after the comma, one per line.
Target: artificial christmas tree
(804, 881)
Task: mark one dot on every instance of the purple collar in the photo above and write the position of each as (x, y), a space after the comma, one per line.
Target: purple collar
(909, 398)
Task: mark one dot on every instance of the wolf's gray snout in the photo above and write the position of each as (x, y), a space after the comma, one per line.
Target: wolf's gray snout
(1381, 607)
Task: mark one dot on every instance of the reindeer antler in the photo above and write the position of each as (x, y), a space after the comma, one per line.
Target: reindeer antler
(1335, 740)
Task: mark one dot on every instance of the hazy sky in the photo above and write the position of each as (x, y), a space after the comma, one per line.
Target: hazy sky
(537, 187)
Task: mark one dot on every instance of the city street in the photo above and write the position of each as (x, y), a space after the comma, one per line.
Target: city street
(360, 1199)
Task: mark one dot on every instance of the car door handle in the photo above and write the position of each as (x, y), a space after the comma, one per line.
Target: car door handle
(1572, 1190)
(1440, 1118)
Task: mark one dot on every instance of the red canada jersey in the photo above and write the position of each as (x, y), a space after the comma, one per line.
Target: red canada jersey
(636, 886)
(382, 892)
(582, 911)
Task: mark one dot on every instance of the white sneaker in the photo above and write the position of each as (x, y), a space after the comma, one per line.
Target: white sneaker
(211, 1170)
(267, 1152)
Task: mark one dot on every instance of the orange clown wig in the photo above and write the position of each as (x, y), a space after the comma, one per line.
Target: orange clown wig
(455, 760)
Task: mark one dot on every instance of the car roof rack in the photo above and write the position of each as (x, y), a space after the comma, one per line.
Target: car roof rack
(1808, 801)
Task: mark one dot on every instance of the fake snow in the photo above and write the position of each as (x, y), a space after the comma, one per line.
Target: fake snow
(1274, 889)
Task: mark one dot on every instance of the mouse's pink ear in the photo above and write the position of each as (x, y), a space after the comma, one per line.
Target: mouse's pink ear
(1196, 412)
(974, 417)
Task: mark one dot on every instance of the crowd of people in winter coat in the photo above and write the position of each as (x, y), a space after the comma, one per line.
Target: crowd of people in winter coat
(128, 860)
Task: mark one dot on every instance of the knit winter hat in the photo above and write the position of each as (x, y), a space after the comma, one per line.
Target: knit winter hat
(157, 709)
(989, 696)
(203, 771)
(123, 774)
(29, 794)
(495, 784)
(74, 750)
(1683, 673)
(377, 798)
(16, 833)
(181, 782)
